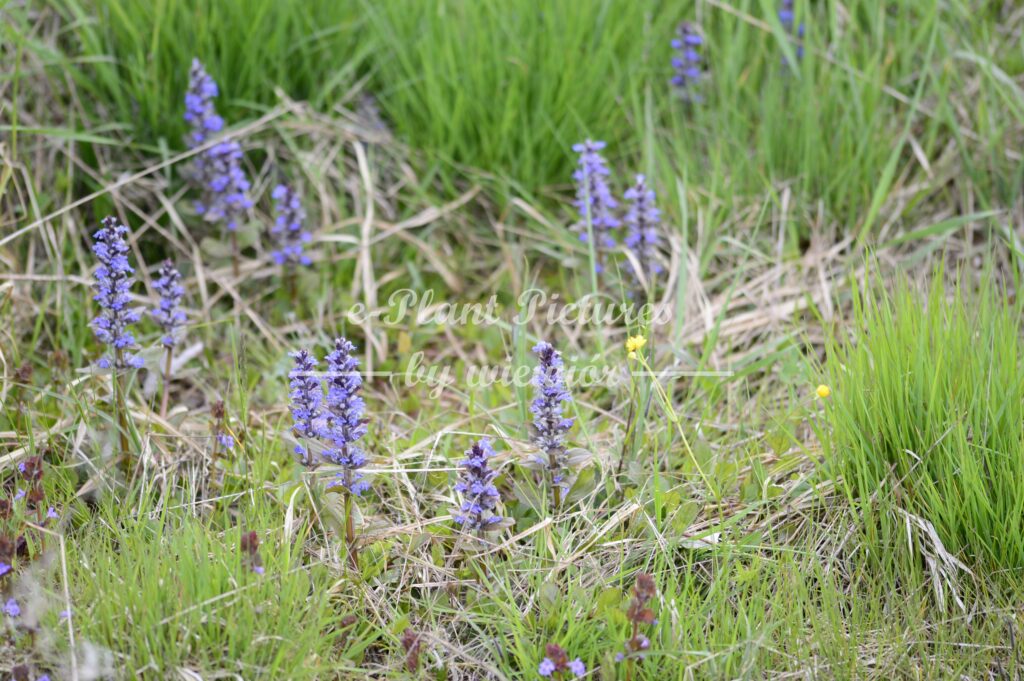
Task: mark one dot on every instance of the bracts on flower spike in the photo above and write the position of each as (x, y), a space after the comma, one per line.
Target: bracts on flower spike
(218, 169)
(250, 548)
(687, 63)
(113, 282)
(307, 396)
(556, 664)
(411, 643)
(480, 497)
(550, 425)
(594, 200)
(169, 315)
(200, 113)
(638, 615)
(289, 232)
(642, 220)
(225, 186)
(223, 441)
(345, 426)
(289, 235)
(338, 422)
(344, 417)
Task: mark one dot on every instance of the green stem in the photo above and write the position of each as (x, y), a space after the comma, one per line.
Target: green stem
(293, 289)
(350, 531)
(556, 488)
(592, 251)
(626, 439)
(121, 407)
(167, 381)
(670, 411)
(629, 660)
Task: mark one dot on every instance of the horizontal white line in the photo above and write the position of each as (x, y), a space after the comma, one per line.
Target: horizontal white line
(426, 374)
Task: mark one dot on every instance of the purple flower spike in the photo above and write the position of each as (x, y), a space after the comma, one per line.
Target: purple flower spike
(306, 397)
(549, 425)
(688, 62)
(199, 110)
(549, 422)
(476, 485)
(218, 170)
(113, 283)
(11, 608)
(345, 424)
(593, 197)
(225, 186)
(642, 221)
(169, 314)
(787, 16)
(288, 232)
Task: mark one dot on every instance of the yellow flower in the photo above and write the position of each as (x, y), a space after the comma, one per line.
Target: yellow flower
(631, 355)
(824, 391)
(634, 343)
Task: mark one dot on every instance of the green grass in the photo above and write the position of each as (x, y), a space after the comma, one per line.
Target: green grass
(503, 87)
(875, 534)
(169, 591)
(927, 408)
(506, 89)
(132, 58)
(780, 575)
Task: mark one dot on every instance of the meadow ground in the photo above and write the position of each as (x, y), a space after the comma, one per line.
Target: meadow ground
(812, 442)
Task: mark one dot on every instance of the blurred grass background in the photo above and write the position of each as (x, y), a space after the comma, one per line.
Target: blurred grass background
(505, 88)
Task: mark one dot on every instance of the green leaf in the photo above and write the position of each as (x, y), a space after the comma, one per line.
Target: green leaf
(607, 599)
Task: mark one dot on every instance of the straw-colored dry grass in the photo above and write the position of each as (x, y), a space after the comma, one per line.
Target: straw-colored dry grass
(733, 484)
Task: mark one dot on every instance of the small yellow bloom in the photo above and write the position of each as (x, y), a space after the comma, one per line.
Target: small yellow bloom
(824, 391)
(634, 343)
(631, 355)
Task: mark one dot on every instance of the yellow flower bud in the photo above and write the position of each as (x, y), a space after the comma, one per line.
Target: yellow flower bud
(634, 343)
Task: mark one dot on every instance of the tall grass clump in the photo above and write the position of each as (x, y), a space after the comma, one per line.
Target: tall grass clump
(134, 55)
(503, 86)
(509, 86)
(927, 411)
